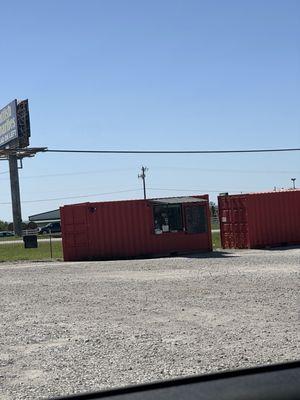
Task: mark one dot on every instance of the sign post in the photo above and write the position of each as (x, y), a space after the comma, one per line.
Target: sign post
(15, 194)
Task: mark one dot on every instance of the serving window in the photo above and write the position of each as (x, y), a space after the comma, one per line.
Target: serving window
(168, 218)
(180, 217)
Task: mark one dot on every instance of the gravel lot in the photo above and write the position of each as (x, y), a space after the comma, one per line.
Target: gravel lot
(69, 327)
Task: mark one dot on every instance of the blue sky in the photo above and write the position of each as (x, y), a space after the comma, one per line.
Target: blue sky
(167, 74)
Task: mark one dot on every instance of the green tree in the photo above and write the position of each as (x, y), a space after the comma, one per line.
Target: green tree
(213, 209)
(3, 225)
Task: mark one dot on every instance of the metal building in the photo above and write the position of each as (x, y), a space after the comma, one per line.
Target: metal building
(136, 228)
(48, 216)
(258, 220)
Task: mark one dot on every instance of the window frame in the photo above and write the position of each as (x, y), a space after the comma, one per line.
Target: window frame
(167, 206)
(205, 231)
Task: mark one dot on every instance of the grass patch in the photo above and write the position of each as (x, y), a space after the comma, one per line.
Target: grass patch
(215, 225)
(10, 238)
(16, 251)
(216, 239)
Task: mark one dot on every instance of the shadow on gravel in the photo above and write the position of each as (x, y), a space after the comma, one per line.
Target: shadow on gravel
(213, 254)
(281, 248)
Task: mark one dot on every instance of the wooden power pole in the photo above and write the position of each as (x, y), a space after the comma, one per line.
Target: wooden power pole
(15, 194)
(143, 177)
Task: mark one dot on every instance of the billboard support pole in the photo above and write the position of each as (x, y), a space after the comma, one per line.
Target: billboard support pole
(15, 194)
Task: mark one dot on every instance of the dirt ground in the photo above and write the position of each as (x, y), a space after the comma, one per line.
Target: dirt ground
(76, 327)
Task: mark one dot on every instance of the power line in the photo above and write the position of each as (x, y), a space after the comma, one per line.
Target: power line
(131, 190)
(227, 170)
(198, 190)
(80, 173)
(76, 197)
(118, 192)
(238, 171)
(172, 151)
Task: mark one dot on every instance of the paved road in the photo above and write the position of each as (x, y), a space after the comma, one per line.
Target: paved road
(21, 241)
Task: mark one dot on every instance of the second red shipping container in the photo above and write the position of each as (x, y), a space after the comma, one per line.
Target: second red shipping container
(258, 220)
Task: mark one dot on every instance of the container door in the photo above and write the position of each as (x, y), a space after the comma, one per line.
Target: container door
(233, 222)
(75, 233)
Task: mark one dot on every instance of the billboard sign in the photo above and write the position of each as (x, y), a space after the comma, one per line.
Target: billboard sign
(15, 125)
(8, 124)
(23, 123)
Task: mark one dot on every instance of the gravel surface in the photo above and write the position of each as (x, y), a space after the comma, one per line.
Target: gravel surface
(74, 327)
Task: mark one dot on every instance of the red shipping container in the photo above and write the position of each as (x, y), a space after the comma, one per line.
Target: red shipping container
(258, 220)
(135, 228)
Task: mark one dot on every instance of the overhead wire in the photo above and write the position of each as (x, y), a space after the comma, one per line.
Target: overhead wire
(76, 151)
(122, 191)
(150, 152)
(212, 170)
(224, 170)
(172, 151)
(76, 197)
(184, 169)
(78, 173)
(196, 190)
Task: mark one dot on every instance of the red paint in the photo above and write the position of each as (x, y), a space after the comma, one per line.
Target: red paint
(124, 229)
(258, 220)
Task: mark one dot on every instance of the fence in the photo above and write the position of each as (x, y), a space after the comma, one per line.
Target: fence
(215, 224)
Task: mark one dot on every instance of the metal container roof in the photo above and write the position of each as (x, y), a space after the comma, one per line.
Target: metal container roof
(267, 192)
(178, 200)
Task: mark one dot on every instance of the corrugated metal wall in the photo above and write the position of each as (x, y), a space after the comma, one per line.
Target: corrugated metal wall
(260, 219)
(123, 229)
(274, 218)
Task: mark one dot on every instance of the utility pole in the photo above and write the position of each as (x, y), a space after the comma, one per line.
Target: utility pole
(293, 180)
(15, 194)
(143, 177)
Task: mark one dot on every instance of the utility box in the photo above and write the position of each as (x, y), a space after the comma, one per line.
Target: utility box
(259, 220)
(30, 241)
(136, 228)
